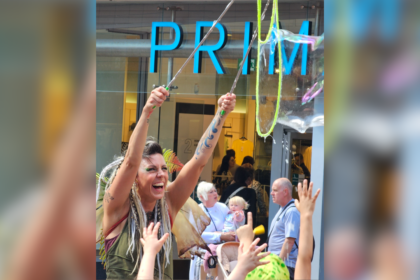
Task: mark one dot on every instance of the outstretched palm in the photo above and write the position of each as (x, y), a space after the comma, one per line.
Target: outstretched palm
(306, 202)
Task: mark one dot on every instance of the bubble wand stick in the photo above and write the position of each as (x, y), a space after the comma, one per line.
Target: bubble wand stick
(246, 55)
(199, 45)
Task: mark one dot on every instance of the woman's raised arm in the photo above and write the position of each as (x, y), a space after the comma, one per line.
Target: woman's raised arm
(116, 197)
(185, 182)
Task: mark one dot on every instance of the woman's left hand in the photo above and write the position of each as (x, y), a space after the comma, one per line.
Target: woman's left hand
(227, 102)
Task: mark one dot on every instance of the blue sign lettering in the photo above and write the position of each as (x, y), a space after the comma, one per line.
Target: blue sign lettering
(247, 40)
(273, 46)
(288, 63)
(209, 49)
(154, 44)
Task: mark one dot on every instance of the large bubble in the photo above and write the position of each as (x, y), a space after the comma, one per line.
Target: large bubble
(288, 96)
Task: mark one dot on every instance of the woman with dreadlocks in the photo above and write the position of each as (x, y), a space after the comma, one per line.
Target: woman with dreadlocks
(138, 192)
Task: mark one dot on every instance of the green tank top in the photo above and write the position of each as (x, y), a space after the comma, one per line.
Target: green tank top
(119, 264)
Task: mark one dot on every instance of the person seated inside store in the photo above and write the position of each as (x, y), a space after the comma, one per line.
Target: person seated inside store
(243, 178)
(299, 163)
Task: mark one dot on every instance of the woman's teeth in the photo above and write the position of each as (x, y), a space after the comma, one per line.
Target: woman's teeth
(158, 185)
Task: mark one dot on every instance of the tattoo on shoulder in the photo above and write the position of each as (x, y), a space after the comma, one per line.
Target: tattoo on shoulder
(108, 197)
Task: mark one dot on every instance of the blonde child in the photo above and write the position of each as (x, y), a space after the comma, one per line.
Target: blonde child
(235, 217)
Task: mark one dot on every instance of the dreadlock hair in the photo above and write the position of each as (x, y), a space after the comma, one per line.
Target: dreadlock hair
(137, 216)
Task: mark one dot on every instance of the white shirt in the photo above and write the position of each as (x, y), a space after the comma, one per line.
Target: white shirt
(217, 213)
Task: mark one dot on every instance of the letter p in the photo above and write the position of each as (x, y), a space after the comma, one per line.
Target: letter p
(154, 47)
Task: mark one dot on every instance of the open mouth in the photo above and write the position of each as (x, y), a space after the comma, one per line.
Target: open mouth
(158, 186)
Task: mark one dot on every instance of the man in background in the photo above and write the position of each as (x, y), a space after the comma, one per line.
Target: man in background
(283, 236)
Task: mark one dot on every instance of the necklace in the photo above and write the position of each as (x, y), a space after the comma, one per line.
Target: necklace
(150, 216)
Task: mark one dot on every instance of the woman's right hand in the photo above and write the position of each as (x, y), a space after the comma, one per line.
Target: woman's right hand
(156, 98)
(227, 236)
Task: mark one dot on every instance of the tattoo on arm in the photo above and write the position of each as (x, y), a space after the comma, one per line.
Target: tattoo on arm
(147, 120)
(203, 144)
(108, 197)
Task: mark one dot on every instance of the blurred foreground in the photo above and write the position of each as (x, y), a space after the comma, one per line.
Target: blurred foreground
(47, 115)
(372, 140)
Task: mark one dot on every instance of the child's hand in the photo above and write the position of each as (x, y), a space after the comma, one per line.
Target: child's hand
(151, 245)
(306, 203)
(246, 233)
(249, 260)
(239, 216)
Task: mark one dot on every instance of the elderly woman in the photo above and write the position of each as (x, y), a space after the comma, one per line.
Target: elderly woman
(217, 212)
(138, 191)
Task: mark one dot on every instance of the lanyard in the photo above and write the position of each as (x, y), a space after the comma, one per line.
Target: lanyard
(278, 218)
(211, 218)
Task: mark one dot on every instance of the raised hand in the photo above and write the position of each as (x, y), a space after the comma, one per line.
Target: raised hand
(306, 207)
(156, 98)
(246, 232)
(150, 242)
(227, 102)
(248, 260)
(306, 202)
(239, 216)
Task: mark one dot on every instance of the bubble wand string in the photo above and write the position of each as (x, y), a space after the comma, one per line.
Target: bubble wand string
(199, 45)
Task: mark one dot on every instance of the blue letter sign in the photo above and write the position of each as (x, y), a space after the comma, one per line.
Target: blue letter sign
(209, 49)
(288, 64)
(154, 47)
(247, 41)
